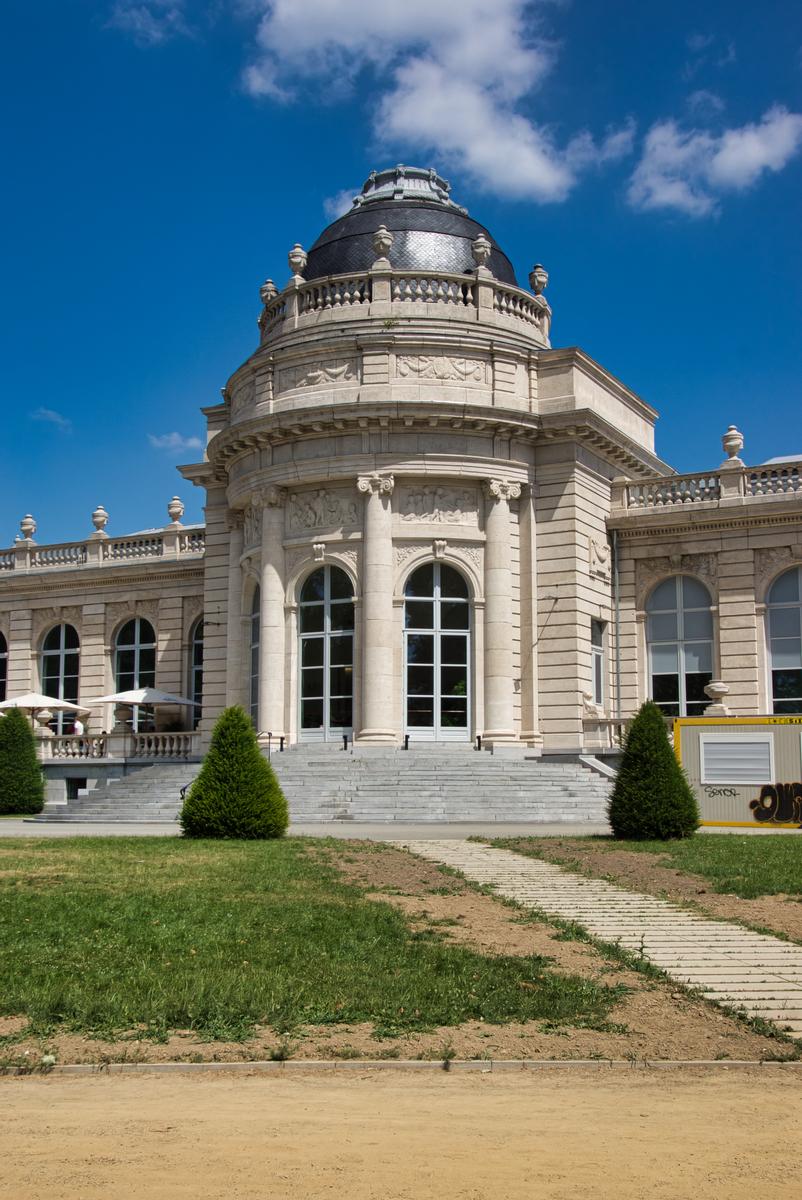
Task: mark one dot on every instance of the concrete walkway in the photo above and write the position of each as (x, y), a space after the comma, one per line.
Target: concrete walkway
(729, 964)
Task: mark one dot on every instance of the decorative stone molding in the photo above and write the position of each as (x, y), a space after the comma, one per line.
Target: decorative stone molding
(446, 505)
(439, 547)
(319, 551)
(599, 559)
(320, 510)
(43, 620)
(443, 368)
(769, 562)
(273, 497)
(501, 489)
(703, 565)
(252, 527)
(649, 571)
(469, 551)
(381, 484)
(402, 553)
(336, 370)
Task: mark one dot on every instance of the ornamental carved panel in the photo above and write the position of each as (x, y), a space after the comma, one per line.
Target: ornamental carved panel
(769, 563)
(443, 368)
(321, 509)
(309, 375)
(252, 527)
(599, 559)
(440, 505)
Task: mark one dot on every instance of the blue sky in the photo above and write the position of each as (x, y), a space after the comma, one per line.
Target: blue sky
(162, 156)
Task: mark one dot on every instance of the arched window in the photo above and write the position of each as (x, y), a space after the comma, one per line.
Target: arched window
(135, 666)
(437, 633)
(60, 663)
(326, 654)
(679, 636)
(785, 641)
(3, 667)
(196, 671)
(253, 691)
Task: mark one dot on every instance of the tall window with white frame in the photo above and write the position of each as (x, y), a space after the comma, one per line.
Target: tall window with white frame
(135, 667)
(196, 671)
(253, 688)
(437, 654)
(60, 665)
(679, 638)
(326, 652)
(784, 614)
(3, 667)
(597, 629)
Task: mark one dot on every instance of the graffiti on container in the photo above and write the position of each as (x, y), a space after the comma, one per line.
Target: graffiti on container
(778, 804)
(717, 792)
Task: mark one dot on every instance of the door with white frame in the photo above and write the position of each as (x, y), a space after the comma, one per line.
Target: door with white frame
(326, 656)
(437, 655)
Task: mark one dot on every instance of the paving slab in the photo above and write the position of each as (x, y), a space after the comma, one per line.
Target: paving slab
(759, 974)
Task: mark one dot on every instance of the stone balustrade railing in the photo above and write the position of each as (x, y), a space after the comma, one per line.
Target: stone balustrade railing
(169, 543)
(490, 299)
(119, 747)
(728, 485)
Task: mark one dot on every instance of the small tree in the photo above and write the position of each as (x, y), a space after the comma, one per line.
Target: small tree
(236, 794)
(22, 788)
(652, 797)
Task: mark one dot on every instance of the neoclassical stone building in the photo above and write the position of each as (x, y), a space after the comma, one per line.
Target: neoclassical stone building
(423, 519)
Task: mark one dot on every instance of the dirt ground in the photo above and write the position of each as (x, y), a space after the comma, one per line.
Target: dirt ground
(665, 1135)
(642, 871)
(653, 1020)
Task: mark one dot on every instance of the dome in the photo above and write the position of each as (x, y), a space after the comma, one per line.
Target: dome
(430, 232)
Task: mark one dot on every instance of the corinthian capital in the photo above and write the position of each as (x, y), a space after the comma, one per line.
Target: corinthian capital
(501, 489)
(381, 485)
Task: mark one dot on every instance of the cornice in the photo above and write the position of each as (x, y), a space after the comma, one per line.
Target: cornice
(640, 526)
(87, 577)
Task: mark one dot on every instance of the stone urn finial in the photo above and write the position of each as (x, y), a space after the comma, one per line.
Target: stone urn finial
(382, 241)
(538, 279)
(733, 442)
(100, 519)
(297, 259)
(175, 510)
(481, 249)
(717, 690)
(28, 526)
(268, 291)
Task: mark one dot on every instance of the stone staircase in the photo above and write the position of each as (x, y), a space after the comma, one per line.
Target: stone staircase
(424, 784)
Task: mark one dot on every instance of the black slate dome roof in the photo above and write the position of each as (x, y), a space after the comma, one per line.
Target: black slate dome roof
(430, 232)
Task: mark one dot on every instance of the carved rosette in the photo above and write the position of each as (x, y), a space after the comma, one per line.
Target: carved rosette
(501, 489)
(376, 484)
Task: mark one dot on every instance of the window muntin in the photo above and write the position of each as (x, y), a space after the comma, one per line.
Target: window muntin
(326, 654)
(59, 672)
(437, 619)
(3, 667)
(254, 652)
(597, 630)
(196, 672)
(784, 616)
(679, 638)
(135, 667)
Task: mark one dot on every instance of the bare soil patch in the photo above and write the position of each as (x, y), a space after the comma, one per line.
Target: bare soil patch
(642, 871)
(454, 1136)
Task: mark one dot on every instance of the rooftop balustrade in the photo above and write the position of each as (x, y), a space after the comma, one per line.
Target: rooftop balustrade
(731, 484)
(184, 542)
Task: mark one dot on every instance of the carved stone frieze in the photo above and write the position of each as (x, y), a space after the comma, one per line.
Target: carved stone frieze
(444, 368)
(321, 509)
(252, 527)
(446, 505)
(336, 370)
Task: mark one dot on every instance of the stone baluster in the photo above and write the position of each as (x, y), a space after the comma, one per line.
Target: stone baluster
(377, 610)
(272, 639)
(499, 724)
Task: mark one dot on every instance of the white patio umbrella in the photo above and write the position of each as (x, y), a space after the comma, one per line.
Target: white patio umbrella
(35, 701)
(145, 695)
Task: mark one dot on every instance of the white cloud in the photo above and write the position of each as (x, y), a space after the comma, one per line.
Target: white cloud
(448, 78)
(149, 22)
(339, 204)
(174, 443)
(705, 103)
(51, 417)
(687, 170)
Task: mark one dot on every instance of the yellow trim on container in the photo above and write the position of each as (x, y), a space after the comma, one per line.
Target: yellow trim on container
(754, 824)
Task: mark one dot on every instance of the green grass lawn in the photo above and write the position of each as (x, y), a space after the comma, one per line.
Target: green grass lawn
(744, 865)
(104, 935)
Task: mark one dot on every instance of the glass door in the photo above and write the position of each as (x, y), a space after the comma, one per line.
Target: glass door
(326, 655)
(437, 622)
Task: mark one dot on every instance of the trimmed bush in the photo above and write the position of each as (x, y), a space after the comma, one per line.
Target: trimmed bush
(236, 794)
(22, 787)
(652, 797)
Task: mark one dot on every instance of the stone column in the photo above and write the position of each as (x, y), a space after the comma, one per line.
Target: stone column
(272, 639)
(499, 725)
(377, 611)
(235, 688)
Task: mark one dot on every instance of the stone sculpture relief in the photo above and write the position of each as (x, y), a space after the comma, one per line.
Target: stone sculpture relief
(321, 510)
(599, 559)
(443, 368)
(450, 506)
(337, 370)
(252, 527)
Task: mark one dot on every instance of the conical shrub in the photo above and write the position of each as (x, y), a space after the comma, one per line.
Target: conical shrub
(22, 788)
(236, 794)
(652, 797)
